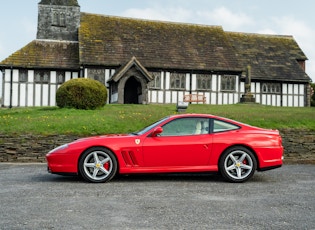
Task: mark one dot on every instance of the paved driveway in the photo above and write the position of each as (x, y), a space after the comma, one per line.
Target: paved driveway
(30, 198)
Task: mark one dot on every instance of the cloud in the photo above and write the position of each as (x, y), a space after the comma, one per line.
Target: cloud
(225, 17)
(219, 16)
(167, 14)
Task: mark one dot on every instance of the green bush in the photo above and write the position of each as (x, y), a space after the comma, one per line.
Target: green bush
(81, 93)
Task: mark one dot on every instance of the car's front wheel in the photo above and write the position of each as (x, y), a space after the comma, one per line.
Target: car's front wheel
(237, 164)
(97, 165)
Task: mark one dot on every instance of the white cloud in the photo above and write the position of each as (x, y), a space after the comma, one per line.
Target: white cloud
(226, 18)
(219, 16)
(167, 14)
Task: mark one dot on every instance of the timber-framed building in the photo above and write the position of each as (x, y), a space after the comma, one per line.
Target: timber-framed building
(145, 61)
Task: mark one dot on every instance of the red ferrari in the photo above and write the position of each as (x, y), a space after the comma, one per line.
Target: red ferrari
(178, 143)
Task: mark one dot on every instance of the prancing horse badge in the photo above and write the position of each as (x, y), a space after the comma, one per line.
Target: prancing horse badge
(137, 141)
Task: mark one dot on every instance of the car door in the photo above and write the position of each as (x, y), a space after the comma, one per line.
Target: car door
(183, 142)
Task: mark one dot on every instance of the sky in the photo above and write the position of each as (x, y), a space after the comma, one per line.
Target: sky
(18, 18)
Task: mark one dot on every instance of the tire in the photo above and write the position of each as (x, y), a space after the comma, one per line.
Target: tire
(237, 164)
(97, 165)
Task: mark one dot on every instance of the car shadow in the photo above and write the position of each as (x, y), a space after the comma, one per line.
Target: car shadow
(203, 177)
(171, 177)
(140, 178)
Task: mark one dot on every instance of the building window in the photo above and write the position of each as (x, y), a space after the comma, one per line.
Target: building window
(58, 18)
(42, 76)
(23, 76)
(156, 83)
(37, 77)
(271, 88)
(178, 81)
(204, 82)
(45, 77)
(55, 16)
(60, 77)
(97, 74)
(62, 18)
(228, 82)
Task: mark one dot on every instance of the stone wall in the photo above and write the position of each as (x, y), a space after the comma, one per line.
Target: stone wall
(29, 148)
(299, 146)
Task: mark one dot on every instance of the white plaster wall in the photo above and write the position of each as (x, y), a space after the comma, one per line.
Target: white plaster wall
(23, 95)
(30, 95)
(167, 80)
(53, 91)
(193, 82)
(174, 97)
(167, 97)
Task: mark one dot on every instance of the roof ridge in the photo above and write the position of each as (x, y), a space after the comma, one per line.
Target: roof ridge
(153, 20)
(55, 41)
(261, 35)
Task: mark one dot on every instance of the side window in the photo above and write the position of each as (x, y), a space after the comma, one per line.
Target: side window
(228, 83)
(156, 83)
(186, 126)
(178, 81)
(221, 126)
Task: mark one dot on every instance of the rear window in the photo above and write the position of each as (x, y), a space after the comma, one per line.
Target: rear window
(222, 126)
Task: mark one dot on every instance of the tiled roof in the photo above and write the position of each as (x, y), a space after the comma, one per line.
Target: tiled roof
(271, 57)
(113, 41)
(45, 54)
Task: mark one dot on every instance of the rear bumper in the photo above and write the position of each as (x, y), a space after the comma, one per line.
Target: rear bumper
(270, 158)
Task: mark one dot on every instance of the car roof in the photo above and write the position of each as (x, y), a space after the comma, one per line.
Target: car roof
(208, 116)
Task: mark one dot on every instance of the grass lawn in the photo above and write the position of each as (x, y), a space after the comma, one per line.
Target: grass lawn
(129, 118)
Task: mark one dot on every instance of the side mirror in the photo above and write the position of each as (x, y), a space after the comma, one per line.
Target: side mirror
(158, 130)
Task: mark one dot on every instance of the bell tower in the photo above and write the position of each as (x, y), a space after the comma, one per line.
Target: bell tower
(58, 20)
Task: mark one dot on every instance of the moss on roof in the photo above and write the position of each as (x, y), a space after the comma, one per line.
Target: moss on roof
(272, 57)
(60, 2)
(45, 54)
(113, 41)
(109, 40)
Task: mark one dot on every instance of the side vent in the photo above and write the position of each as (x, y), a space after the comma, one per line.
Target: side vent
(129, 158)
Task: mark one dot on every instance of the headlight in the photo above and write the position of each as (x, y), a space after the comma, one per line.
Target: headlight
(62, 147)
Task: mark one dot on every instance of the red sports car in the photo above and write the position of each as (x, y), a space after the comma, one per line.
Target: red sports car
(178, 143)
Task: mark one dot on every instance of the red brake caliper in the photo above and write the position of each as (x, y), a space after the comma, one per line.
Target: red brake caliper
(106, 165)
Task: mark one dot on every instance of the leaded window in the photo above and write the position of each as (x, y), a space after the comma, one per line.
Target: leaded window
(228, 83)
(97, 74)
(178, 81)
(62, 18)
(60, 77)
(55, 18)
(156, 83)
(271, 88)
(58, 18)
(23, 76)
(204, 81)
(42, 76)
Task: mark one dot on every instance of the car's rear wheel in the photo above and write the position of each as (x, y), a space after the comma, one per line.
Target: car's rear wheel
(98, 165)
(237, 164)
